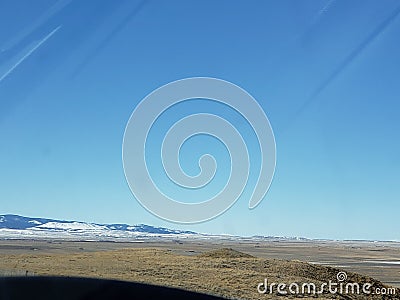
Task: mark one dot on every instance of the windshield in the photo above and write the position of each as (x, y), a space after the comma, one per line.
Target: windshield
(174, 129)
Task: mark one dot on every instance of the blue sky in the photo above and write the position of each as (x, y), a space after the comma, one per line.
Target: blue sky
(325, 72)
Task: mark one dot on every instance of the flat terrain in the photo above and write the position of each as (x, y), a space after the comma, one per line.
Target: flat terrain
(227, 268)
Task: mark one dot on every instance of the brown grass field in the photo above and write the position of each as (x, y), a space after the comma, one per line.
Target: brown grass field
(229, 269)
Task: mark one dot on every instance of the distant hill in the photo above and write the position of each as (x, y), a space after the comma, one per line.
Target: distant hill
(19, 227)
(14, 226)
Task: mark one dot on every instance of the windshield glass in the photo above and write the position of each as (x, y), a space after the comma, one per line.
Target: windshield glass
(200, 135)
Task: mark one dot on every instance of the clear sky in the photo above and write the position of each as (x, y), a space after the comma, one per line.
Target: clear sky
(325, 72)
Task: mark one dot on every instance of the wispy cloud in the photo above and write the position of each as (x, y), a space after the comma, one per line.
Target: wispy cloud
(29, 53)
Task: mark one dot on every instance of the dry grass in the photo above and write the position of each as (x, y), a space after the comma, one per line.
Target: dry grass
(223, 272)
(225, 253)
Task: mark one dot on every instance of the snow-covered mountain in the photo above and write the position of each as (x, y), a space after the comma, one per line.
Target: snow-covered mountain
(18, 227)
